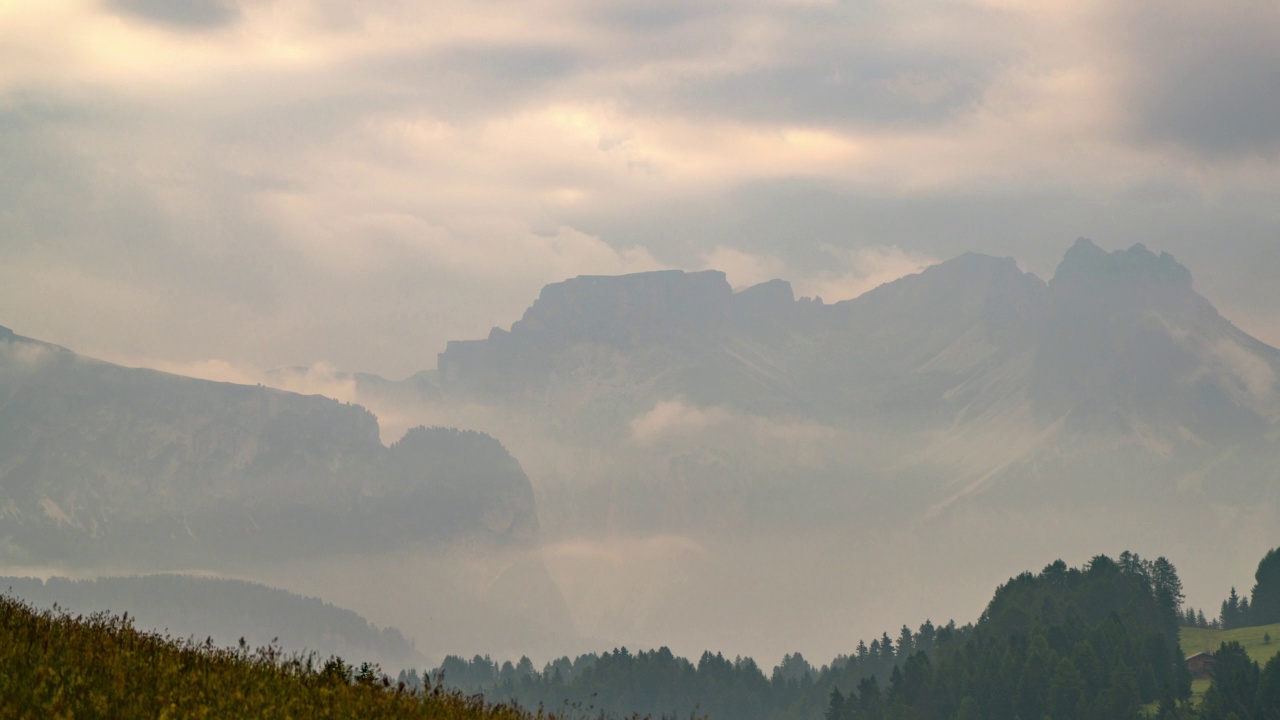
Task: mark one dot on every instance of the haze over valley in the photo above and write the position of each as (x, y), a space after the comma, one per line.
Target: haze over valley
(689, 465)
(641, 351)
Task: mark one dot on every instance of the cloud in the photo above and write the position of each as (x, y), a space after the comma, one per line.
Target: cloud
(1206, 79)
(744, 269)
(183, 14)
(861, 269)
(1251, 372)
(307, 180)
(321, 378)
(675, 423)
(673, 417)
(25, 355)
(623, 552)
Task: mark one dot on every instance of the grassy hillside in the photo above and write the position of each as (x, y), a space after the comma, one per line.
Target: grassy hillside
(225, 610)
(56, 666)
(1196, 640)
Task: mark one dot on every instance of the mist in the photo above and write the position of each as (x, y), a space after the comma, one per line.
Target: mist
(547, 328)
(667, 519)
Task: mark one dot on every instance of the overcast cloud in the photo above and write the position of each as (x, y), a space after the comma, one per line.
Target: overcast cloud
(284, 183)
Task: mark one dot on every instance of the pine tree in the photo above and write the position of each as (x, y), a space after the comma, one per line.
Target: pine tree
(835, 705)
(1167, 588)
(886, 648)
(906, 643)
(927, 636)
(1235, 684)
(1230, 612)
(1266, 593)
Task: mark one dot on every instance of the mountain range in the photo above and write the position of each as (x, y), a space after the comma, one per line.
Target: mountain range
(970, 412)
(1116, 344)
(706, 467)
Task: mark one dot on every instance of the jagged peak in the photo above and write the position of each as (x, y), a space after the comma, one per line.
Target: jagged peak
(1088, 262)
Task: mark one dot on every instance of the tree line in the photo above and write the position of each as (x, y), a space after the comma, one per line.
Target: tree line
(1097, 641)
(1261, 607)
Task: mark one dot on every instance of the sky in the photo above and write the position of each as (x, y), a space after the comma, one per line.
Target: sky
(270, 183)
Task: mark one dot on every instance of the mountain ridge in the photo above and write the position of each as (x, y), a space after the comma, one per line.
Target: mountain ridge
(948, 326)
(141, 471)
(686, 442)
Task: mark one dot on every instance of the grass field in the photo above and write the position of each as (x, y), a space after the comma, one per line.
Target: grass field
(57, 666)
(1253, 639)
(1196, 640)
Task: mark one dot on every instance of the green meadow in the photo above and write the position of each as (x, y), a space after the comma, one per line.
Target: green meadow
(1254, 640)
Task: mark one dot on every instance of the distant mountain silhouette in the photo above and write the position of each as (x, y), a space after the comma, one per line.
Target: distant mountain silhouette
(143, 471)
(1116, 343)
(102, 460)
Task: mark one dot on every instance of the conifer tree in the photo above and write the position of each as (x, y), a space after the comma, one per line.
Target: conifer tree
(835, 705)
(1230, 613)
(1266, 593)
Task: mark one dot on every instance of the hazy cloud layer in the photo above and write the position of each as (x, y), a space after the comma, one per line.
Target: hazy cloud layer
(186, 14)
(1206, 79)
(281, 183)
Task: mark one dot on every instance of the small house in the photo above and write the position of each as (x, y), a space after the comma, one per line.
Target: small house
(1200, 664)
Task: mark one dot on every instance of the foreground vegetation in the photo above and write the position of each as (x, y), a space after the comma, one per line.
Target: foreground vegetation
(225, 609)
(53, 665)
(1101, 641)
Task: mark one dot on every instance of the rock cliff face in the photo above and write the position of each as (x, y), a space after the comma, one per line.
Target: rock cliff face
(654, 316)
(137, 471)
(1128, 346)
(100, 462)
(973, 367)
(1117, 342)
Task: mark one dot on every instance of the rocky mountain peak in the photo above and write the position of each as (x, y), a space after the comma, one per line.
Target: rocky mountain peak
(966, 289)
(661, 309)
(1128, 346)
(625, 308)
(1087, 263)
